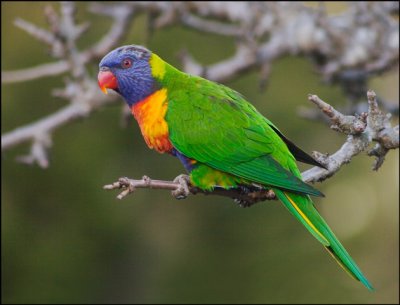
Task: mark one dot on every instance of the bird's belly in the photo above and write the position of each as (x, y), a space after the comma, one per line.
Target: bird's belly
(156, 138)
(206, 178)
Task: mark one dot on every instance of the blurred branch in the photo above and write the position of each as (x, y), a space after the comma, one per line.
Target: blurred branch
(210, 26)
(242, 60)
(81, 92)
(362, 130)
(81, 107)
(40, 34)
(347, 48)
(121, 15)
(22, 75)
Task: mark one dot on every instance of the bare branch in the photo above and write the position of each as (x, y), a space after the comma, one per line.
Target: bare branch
(121, 16)
(40, 71)
(243, 198)
(63, 116)
(352, 147)
(361, 130)
(49, 123)
(38, 33)
(381, 131)
(347, 124)
(203, 25)
(39, 151)
(83, 93)
(243, 59)
(289, 28)
(71, 33)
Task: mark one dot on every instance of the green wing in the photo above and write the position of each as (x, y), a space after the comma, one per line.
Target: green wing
(215, 125)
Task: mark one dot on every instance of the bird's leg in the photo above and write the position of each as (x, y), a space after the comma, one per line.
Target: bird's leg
(249, 195)
(243, 203)
(182, 191)
(244, 200)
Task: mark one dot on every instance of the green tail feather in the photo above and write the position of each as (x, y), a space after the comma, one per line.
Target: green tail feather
(301, 206)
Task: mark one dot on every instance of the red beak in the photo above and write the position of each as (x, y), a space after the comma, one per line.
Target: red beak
(107, 80)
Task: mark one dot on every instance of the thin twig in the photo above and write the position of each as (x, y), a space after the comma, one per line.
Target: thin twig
(121, 20)
(48, 124)
(245, 199)
(347, 124)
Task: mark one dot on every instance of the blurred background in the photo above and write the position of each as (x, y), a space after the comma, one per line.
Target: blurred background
(66, 240)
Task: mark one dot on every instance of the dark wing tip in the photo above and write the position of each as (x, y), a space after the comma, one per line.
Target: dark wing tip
(305, 158)
(297, 152)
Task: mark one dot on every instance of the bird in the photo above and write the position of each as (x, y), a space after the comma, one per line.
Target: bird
(219, 137)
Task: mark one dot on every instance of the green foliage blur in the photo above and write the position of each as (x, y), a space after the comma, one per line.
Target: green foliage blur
(66, 240)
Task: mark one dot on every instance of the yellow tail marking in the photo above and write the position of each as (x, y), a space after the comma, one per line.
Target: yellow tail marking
(306, 218)
(345, 268)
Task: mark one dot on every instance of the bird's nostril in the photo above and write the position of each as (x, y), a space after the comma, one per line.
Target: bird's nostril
(104, 69)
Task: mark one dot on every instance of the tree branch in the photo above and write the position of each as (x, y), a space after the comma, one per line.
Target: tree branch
(121, 19)
(48, 124)
(82, 92)
(180, 188)
(43, 70)
(362, 130)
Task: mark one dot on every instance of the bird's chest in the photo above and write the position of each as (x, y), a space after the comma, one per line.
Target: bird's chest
(150, 115)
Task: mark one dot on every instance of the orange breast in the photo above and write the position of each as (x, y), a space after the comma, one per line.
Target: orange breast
(150, 114)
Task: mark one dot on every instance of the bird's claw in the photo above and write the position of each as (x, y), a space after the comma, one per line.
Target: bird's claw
(243, 192)
(249, 195)
(182, 191)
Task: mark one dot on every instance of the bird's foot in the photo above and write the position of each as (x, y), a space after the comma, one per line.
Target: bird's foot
(249, 195)
(182, 191)
(244, 201)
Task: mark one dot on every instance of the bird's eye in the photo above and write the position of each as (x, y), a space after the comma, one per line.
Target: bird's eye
(126, 63)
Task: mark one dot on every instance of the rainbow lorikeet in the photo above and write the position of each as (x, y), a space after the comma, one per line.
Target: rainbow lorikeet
(220, 138)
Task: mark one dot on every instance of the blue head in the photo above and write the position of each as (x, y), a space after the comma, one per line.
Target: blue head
(127, 70)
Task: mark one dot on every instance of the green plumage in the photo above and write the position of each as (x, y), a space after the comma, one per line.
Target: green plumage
(234, 144)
